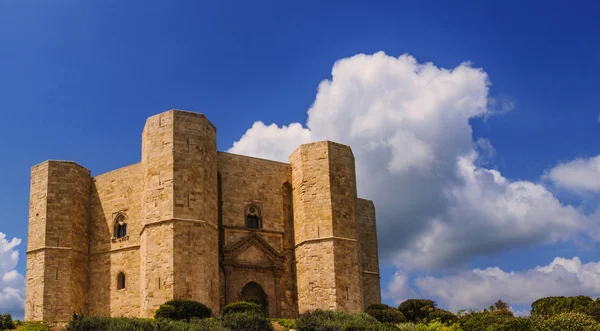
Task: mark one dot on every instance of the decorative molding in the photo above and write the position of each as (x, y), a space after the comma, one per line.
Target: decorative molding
(308, 241)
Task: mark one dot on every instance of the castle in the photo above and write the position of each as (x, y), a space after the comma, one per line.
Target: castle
(190, 222)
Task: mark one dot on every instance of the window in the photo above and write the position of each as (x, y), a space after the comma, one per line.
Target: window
(253, 219)
(120, 226)
(121, 281)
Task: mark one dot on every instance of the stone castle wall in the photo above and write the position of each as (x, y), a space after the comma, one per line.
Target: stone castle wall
(185, 206)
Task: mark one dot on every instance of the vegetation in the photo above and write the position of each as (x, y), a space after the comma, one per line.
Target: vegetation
(182, 310)
(386, 314)
(242, 306)
(6, 322)
(287, 323)
(322, 320)
(548, 314)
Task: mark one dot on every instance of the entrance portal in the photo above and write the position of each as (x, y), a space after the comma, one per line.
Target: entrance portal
(255, 293)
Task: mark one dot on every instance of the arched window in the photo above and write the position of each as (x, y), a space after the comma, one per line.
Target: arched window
(120, 226)
(253, 219)
(120, 281)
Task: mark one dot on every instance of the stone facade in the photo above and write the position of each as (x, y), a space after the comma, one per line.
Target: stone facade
(190, 222)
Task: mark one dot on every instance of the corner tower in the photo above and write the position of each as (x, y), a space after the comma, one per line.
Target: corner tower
(179, 239)
(324, 198)
(57, 247)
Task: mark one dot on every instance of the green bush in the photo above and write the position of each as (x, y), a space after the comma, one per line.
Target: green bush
(567, 322)
(6, 322)
(484, 320)
(386, 314)
(242, 306)
(206, 324)
(34, 326)
(246, 321)
(438, 326)
(417, 310)
(285, 322)
(515, 324)
(95, 323)
(442, 315)
(182, 310)
(410, 326)
(324, 320)
(384, 327)
(557, 305)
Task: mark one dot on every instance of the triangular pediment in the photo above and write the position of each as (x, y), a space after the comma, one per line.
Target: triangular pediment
(253, 250)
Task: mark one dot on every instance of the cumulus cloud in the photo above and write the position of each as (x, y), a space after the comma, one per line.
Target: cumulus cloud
(580, 175)
(479, 288)
(408, 126)
(12, 284)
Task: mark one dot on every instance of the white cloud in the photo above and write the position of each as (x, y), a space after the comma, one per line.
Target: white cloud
(399, 289)
(12, 284)
(408, 126)
(479, 288)
(579, 175)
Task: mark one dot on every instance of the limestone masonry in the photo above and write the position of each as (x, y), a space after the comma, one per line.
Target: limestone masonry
(190, 222)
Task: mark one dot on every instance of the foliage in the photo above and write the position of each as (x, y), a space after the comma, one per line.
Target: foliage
(246, 321)
(33, 326)
(556, 305)
(182, 310)
(242, 306)
(386, 314)
(485, 320)
(322, 320)
(6, 322)
(515, 324)
(93, 323)
(438, 326)
(567, 322)
(285, 322)
(206, 324)
(417, 310)
(410, 326)
(442, 315)
(499, 306)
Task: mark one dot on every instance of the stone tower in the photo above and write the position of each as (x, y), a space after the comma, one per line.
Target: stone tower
(179, 238)
(328, 271)
(57, 249)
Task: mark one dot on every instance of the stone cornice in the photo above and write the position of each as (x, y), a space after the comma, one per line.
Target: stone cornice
(215, 227)
(43, 248)
(116, 250)
(309, 241)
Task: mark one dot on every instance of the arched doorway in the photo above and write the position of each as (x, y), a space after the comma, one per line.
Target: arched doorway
(255, 293)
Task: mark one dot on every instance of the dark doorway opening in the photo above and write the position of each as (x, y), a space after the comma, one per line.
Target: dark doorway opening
(255, 293)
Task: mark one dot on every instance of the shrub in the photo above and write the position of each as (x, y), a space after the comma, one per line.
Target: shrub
(6, 322)
(442, 315)
(557, 305)
(484, 320)
(567, 322)
(386, 314)
(410, 326)
(242, 306)
(93, 323)
(417, 310)
(285, 322)
(206, 324)
(515, 324)
(182, 310)
(438, 326)
(324, 320)
(34, 326)
(384, 327)
(246, 321)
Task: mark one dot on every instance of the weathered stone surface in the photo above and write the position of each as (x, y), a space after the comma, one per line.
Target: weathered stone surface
(185, 206)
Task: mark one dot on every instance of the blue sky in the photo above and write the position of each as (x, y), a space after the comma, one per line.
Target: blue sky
(78, 79)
